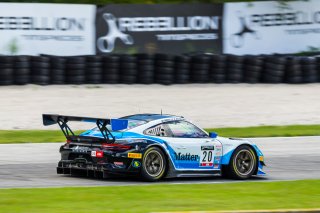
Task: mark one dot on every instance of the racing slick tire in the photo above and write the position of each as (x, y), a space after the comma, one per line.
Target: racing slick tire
(243, 163)
(154, 164)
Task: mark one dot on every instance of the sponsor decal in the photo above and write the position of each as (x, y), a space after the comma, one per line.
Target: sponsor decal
(135, 155)
(206, 164)
(186, 157)
(118, 163)
(97, 154)
(261, 158)
(206, 156)
(136, 164)
(217, 160)
(207, 147)
(80, 149)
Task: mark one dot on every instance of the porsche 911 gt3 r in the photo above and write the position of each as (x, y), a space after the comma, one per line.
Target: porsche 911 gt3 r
(153, 146)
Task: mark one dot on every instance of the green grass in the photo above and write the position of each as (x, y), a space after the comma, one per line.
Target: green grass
(40, 136)
(269, 131)
(163, 197)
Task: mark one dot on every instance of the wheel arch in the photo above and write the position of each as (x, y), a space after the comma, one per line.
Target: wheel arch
(167, 157)
(230, 154)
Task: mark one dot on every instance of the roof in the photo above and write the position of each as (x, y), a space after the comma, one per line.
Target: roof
(147, 117)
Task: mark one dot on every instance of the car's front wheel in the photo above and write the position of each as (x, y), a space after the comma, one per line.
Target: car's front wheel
(243, 163)
(154, 164)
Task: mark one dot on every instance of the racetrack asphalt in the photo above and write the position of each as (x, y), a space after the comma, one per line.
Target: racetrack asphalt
(34, 165)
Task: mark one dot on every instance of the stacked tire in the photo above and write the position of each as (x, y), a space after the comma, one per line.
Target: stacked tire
(252, 69)
(128, 69)
(93, 69)
(200, 68)
(164, 69)
(40, 70)
(309, 69)
(110, 69)
(145, 65)
(293, 74)
(6, 70)
(217, 73)
(182, 69)
(75, 70)
(21, 70)
(318, 67)
(58, 67)
(234, 69)
(274, 69)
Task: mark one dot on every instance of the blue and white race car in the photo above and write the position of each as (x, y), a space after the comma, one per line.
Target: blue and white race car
(153, 146)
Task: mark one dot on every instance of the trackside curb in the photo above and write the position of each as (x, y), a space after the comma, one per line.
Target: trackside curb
(251, 211)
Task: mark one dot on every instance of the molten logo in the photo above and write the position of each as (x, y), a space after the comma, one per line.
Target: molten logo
(237, 39)
(106, 43)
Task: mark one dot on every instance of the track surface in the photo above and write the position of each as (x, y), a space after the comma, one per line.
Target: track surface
(33, 165)
(208, 105)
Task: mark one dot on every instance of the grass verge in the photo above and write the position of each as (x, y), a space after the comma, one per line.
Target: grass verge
(163, 197)
(40, 136)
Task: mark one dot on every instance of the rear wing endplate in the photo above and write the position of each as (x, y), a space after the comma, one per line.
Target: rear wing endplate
(62, 120)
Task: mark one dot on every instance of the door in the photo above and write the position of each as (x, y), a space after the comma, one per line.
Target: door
(190, 148)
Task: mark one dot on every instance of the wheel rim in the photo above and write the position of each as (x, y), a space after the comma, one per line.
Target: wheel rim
(153, 163)
(244, 162)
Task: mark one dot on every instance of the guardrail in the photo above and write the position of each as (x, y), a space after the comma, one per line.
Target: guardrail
(158, 68)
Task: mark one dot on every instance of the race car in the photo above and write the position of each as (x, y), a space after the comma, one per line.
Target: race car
(153, 146)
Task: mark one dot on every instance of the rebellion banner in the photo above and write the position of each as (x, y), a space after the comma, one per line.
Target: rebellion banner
(165, 28)
(57, 29)
(270, 27)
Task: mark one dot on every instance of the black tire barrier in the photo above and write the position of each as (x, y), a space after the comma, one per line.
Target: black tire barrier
(75, 70)
(253, 67)
(164, 69)
(200, 66)
(93, 69)
(145, 66)
(217, 73)
(110, 69)
(40, 70)
(274, 69)
(309, 69)
(182, 69)
(234, 69)
(158, 68)
(128, 69)
(318, 67)
(293, 72)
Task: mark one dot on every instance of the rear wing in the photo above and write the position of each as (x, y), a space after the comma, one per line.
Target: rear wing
(62, 120)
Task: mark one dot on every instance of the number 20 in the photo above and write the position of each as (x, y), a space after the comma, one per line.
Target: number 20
(207, 156)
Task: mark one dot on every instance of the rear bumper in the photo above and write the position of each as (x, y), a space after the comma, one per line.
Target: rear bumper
(89, 169)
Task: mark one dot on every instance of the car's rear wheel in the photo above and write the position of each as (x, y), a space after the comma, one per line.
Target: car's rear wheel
(243, 163)
(154, 164)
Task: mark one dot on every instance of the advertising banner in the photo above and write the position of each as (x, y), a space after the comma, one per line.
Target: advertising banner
(57, 29)
(165, 28)
(270, 27)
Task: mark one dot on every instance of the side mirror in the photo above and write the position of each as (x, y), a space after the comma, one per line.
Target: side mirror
(213, 134)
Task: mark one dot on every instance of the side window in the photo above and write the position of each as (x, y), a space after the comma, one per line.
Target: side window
(184, 129)
(158, 130)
